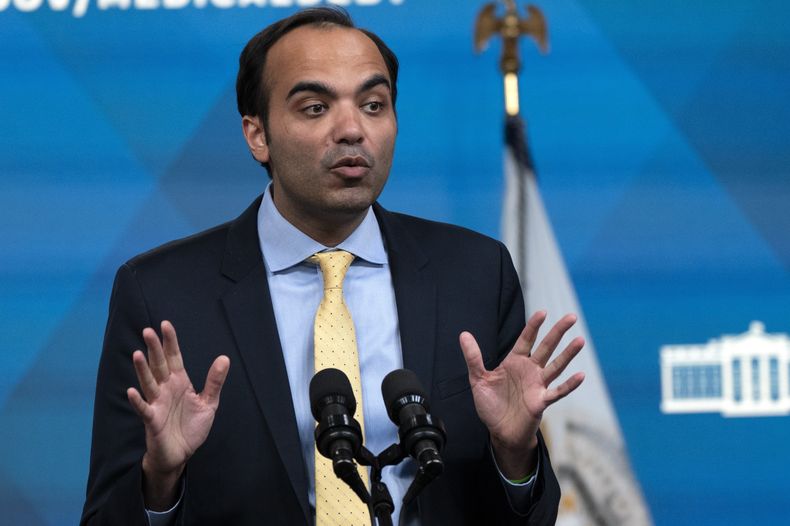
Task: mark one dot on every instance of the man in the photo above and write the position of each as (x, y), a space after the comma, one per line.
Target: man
(317, 99)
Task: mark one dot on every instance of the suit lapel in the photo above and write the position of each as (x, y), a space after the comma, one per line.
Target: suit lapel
(250, 315)
(415, 296)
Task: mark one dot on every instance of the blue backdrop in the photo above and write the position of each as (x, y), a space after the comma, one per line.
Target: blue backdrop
(661, 133)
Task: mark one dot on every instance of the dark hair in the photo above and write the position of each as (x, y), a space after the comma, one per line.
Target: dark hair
(252, 96)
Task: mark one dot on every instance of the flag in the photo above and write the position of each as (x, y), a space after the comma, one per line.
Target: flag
(582, 431)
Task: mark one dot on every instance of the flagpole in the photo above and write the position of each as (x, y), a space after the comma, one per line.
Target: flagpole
(583, 433)
(511, 27)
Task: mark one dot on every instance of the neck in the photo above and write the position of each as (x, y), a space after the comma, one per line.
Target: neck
(329, 231)
(330, 228)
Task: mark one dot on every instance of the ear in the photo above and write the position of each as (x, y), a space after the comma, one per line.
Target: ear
(256, 138)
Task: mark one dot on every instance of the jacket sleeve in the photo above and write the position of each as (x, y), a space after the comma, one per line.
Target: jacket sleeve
(545, 495)
(114, 493)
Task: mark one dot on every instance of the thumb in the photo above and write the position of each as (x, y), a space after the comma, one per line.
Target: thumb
(215, 379)
(472, 356)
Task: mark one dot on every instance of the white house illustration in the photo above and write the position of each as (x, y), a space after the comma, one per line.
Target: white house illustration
(736, 375)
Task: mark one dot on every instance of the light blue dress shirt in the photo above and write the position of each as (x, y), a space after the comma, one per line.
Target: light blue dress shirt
(297, 288)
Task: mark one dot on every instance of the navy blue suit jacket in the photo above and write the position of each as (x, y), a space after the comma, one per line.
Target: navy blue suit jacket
(250, 470)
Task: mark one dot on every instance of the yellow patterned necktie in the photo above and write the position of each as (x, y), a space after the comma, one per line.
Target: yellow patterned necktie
(336, 346)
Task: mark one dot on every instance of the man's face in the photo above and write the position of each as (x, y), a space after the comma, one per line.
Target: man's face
(331, 126)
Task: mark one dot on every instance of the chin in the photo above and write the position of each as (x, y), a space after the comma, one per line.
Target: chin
(350, 208)
(353, 200)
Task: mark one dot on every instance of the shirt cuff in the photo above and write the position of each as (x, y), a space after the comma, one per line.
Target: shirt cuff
(165, 518)
(519, 494)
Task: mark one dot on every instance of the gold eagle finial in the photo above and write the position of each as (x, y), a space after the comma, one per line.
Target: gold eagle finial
(511, 27)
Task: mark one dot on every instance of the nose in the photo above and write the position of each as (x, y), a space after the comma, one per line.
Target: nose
(348, 125)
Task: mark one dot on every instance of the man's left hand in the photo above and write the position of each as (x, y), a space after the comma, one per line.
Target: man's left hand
(511, 399)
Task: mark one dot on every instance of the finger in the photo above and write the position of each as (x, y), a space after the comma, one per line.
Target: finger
(215, 379)
(156, 356)
(530, 333)
(144, 410)
(147, 381)
(552, 339)
(472, 356)
(172, 350)
(564, 389)
(558, 365)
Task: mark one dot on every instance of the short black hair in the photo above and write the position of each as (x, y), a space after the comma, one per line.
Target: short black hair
(252, 97)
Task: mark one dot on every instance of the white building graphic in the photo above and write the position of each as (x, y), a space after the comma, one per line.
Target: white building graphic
(736, 375)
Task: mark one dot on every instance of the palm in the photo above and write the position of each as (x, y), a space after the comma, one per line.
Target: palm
(181, 420)
(177, 419)
(511, 399)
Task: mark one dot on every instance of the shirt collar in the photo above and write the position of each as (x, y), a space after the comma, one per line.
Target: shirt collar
(283, 245)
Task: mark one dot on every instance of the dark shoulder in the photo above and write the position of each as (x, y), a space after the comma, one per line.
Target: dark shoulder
(430, 233)
(194, 251)
(206, 250)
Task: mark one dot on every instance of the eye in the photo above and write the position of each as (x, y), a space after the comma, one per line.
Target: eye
(373, 106)
(314, 110)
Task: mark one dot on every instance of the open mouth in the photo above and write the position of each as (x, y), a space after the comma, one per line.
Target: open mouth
(351, 166)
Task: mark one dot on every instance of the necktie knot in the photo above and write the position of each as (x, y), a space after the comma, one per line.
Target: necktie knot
(334, 266)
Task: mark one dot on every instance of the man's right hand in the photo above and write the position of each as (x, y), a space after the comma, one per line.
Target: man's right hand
(177, 419)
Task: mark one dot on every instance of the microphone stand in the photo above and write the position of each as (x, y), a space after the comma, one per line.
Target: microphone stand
(380, 500)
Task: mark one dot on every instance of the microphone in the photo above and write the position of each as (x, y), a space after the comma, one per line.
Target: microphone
(421, 435)
(338, 436)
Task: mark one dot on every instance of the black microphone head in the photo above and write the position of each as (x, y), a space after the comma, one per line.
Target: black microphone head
(329, 384)
(398, 384)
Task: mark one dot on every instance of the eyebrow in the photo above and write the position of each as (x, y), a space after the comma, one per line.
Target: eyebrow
(312, 86)
(375, 80)
(320, 88)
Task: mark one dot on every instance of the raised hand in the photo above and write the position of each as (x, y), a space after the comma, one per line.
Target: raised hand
(177, 419)
(511, 399)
